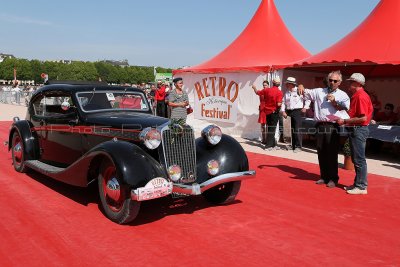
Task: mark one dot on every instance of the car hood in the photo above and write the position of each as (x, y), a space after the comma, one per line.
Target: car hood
(126, 120)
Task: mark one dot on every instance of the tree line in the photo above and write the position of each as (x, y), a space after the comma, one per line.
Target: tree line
(77, 70)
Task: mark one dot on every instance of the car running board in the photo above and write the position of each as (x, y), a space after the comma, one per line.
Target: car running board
(43, 167)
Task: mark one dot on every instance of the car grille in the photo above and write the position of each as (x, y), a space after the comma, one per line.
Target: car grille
(179, 148)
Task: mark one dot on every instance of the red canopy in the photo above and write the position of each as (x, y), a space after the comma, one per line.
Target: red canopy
(264, 44)
(371, 48)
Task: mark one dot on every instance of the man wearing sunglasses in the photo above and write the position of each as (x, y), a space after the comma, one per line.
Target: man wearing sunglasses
(327, 102)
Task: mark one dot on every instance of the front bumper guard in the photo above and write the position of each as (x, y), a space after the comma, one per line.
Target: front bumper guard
(167, 188)
(198, 189)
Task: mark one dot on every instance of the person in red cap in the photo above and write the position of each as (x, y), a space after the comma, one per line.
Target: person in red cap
(360, 114)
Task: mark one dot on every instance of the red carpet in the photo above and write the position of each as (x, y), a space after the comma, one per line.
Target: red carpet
(280, 218)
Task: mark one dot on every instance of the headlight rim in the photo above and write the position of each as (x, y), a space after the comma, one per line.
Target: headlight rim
(206, 134)
(170, 175)
(144, 134)
(209, 167)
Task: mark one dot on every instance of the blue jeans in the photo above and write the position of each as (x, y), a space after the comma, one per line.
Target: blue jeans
(358, 138)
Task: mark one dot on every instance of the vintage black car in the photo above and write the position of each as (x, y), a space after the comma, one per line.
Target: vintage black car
(80, 133)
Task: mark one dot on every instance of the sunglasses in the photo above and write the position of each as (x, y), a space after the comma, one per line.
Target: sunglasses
(334, 81)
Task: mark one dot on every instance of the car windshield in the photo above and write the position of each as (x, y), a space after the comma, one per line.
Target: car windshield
(111, 100)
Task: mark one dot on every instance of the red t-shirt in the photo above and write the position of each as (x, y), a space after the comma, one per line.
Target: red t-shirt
(361, 105)
(160, 94)
(272, 96)
(262, 99)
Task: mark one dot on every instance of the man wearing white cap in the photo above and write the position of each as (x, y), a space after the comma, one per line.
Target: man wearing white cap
(360, 116)
(292, 105)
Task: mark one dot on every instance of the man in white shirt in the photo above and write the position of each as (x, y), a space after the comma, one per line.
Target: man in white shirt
(328, 104)
(292, 105)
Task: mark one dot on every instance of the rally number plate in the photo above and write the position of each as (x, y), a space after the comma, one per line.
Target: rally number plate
(156, 188)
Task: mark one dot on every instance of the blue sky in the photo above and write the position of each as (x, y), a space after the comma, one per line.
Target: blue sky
(172, 33)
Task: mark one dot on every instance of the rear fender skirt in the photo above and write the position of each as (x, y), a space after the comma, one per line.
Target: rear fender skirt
(30, 139)
(228, 152)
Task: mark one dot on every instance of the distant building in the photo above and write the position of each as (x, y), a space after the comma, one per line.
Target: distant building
(4, 56)
(121, 63)
(64, 61)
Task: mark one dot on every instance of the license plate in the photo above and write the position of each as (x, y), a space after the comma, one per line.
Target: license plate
(156, 188)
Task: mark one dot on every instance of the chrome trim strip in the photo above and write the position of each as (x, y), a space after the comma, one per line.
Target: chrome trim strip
(197, 189)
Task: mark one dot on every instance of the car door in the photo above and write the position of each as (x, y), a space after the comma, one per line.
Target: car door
(60, 142)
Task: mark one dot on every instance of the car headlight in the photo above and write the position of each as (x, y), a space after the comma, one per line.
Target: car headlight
(174, 172)
(151, 138)
(212, 134)
(212, 167)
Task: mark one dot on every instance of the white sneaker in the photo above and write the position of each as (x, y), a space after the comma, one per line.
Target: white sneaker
(350, 187)
(357, 191)
(320, 181)
(331, 184)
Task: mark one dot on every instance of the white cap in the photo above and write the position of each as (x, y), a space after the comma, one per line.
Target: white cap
(276, 80)
(291, 80)
(357, 77)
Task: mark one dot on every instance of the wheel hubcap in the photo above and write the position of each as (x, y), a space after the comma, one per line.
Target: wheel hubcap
(112, 189)
(17, 150)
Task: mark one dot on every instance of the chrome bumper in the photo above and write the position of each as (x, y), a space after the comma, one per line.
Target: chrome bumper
(197, 189)
(160, 187)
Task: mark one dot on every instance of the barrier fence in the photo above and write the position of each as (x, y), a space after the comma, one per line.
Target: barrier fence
(15, 98)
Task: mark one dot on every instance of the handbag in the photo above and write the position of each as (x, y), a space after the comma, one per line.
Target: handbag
(189, 109)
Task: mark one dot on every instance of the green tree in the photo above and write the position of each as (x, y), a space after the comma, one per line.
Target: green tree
(37, 70)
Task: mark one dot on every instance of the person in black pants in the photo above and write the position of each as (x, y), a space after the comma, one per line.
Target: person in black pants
(292, 105)
(329, 103)
(272, 120)
(327, 149)
(273, 101)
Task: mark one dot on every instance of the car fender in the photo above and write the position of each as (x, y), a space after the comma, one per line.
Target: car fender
(30, 139)
(133, 164)
(228, 152)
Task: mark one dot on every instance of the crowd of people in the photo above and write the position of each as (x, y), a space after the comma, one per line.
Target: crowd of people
(331, 108)
(16, 94)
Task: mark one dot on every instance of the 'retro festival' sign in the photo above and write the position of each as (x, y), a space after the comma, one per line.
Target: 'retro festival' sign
(216, 99)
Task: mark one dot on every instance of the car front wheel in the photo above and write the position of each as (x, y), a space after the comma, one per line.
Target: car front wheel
(223, 193)
(114, 196)
(17, 151)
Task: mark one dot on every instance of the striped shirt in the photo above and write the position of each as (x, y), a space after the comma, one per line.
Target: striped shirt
(178, 112)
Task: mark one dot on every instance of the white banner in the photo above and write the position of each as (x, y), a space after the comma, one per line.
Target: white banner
(216, 98)
(225, 99)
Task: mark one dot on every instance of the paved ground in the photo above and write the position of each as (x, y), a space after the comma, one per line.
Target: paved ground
(382, 164)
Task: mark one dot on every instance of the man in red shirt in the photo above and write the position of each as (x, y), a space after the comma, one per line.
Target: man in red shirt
(360, 116)
(160, 99)
(273, 101)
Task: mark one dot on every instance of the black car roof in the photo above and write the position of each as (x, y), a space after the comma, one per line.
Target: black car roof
(72, 88)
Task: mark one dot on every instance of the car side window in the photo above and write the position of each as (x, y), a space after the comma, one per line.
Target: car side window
(50, 106)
